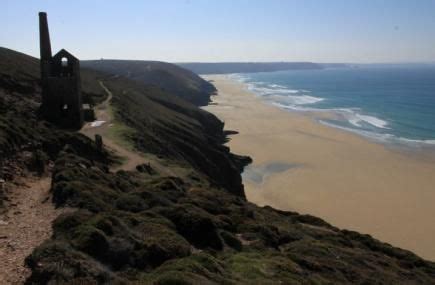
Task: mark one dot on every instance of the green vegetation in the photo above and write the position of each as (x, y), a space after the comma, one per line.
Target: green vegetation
(120, 133)
(174, 129)
(145, 227)
(168, 77)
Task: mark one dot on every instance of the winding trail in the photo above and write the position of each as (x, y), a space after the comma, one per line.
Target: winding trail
(25, 225)
(105, 121)
(102, 126)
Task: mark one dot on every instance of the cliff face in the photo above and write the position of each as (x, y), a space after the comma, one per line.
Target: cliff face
(175, 129)
(184, 222)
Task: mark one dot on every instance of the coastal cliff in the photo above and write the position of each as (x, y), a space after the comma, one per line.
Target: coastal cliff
(180, 219)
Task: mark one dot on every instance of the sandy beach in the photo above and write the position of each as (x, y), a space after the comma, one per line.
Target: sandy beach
(353, 183)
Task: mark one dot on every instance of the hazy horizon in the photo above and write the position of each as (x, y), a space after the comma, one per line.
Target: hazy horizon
(336, 31)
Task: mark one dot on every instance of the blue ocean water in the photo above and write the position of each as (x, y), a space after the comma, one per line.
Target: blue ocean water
(393, 104)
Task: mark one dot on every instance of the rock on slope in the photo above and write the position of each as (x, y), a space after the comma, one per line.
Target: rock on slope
(195, 228)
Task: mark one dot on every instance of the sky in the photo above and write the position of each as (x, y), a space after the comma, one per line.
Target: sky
(357, 31)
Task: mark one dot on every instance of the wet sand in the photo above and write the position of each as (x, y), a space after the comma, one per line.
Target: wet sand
(349, 181)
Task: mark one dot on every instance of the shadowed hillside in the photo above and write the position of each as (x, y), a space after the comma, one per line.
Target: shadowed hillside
(20, 90)
(190, 227)
(164, 124)
(171, 78)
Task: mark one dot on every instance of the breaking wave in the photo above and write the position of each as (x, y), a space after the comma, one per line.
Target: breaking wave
(349, 119)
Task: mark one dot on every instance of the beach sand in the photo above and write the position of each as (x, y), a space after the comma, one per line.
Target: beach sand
(348, 181)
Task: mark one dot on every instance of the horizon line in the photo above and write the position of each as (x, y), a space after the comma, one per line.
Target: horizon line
(254, 61)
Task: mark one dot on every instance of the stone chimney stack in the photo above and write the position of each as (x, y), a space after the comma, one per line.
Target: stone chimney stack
(44, 44)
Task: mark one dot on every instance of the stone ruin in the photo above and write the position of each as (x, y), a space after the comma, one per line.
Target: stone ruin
(61, 86)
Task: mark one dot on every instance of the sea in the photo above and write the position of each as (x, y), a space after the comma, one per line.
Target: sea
(392, 104)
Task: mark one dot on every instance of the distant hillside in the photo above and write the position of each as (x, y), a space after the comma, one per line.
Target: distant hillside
(170, 77)
(246, 67)
(335, 65)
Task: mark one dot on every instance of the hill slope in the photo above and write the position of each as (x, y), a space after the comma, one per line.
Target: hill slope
(148, 227)
(171, 78)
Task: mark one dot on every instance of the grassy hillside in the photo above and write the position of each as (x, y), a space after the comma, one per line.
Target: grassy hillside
(173, 128)
(153, 228)
(165, 125)
(20, 130)
(173, 79)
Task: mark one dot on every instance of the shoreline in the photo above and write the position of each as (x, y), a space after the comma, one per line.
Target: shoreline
(348, 180)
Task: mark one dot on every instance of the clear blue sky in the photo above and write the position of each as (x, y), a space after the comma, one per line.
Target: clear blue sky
(228, 30)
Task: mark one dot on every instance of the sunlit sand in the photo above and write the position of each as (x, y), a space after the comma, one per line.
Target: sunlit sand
(343, 178)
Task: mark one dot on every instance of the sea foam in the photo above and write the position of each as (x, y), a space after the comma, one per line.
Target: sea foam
(295, 99)
(354, 117)
(282, 95)
(356, 106)
(382, 137)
